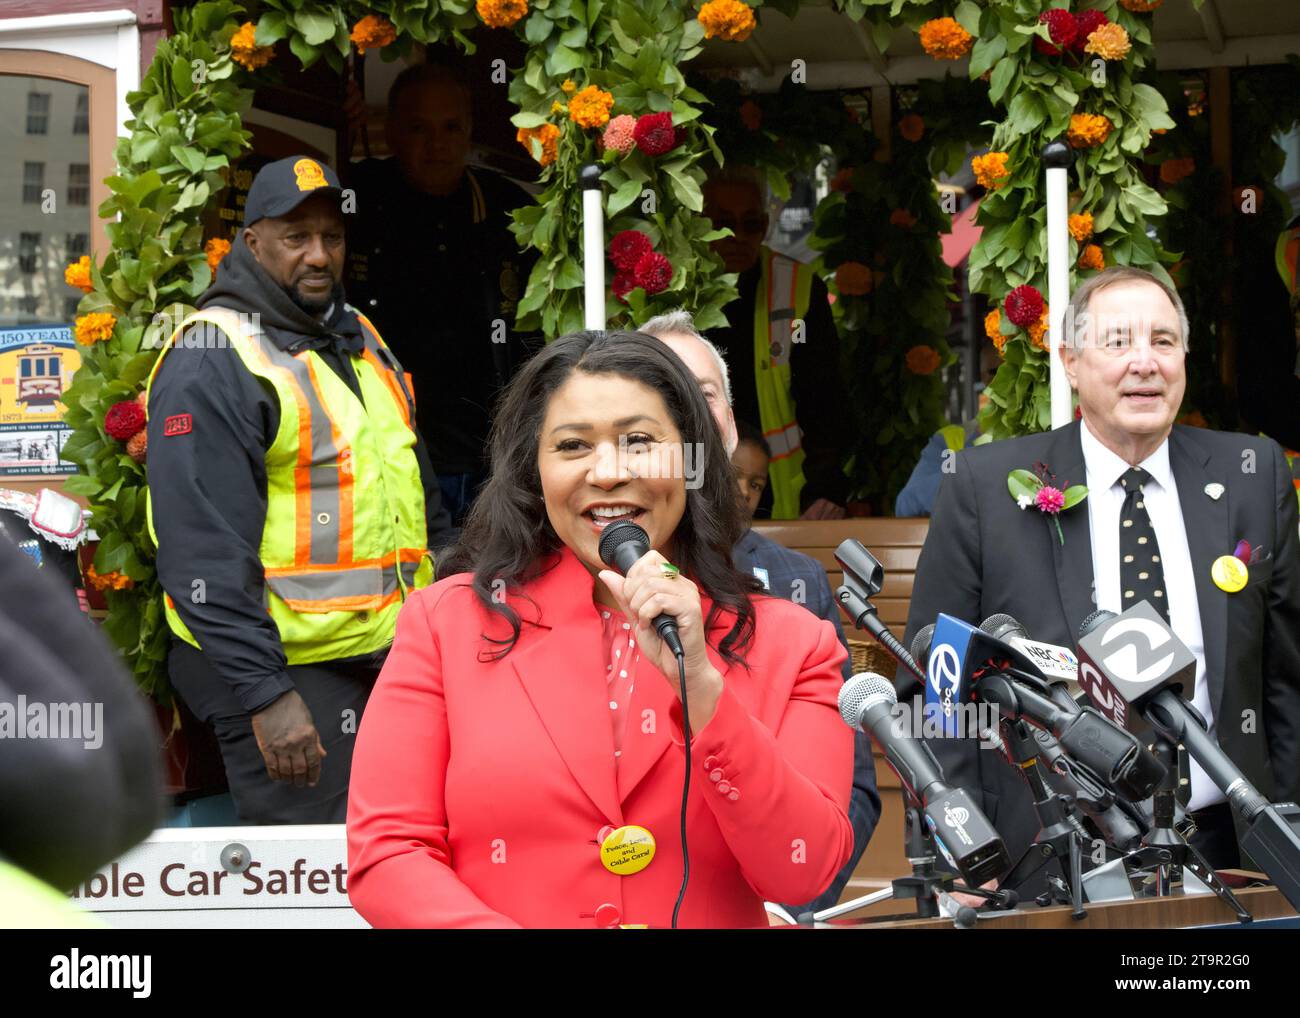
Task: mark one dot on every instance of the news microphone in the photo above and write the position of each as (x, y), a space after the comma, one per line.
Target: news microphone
(970, 842)
(1058, 665)
(622, 545)
(1137, 658)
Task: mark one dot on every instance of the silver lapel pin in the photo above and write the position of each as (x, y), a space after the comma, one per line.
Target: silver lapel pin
(1214, 490)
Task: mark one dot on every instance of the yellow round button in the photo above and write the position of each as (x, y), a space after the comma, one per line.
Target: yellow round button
(1229, 573)
(627, 850)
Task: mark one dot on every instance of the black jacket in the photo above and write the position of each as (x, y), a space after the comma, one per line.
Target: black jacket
(816, 383)
(208, 486)
(441, 277)
(984, 555)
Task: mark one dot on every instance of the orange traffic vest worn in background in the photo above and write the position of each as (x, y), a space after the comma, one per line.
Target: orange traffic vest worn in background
(345, 535)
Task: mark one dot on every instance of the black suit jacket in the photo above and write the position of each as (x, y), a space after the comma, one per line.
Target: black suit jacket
(983, 554)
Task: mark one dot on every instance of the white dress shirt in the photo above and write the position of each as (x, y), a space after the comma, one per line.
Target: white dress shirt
(1160, 496)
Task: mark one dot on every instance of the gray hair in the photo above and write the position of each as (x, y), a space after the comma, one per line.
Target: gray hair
(1077, 319)
(680, 322)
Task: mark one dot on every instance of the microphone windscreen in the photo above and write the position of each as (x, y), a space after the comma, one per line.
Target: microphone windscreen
(1003, 627)
(1093, 621)
(618, 534)
(859, 691)
(921, 645)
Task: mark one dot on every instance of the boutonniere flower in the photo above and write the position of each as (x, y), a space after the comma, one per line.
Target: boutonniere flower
(1039, 489)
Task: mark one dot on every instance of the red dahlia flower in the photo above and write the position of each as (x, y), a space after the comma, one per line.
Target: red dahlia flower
(124, 419)
(627, 247)
(654, 133)
(653, 272)
(1085, 23)
(1024, 306)
(1061, 26)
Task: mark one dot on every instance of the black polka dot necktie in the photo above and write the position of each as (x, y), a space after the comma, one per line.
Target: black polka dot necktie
(1141, 573)
(1142, 577)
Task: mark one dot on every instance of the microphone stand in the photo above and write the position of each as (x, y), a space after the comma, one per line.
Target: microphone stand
(1165, 852)
(1061, 836)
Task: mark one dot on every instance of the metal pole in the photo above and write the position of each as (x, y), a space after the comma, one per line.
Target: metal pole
(593, 248)
(1057, 157)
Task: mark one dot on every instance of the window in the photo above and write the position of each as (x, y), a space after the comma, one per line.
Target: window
(33, 183)
(75, 245)
(28, 304)
(29, 247)
(38, 112)
(81, 118)
(78, 184)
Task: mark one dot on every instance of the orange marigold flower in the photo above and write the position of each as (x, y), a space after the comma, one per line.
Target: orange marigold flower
(94, 327)
(991, 170)
(547, 136)
(853, 279)
(751, 115)
(923, 360)
(1110, 42)
(245, 51)
(568, 87)
(1088, 129)
(1038, 331)
(993, 329)
(590, 107)
(216, 248)
(945, 39)
(78, 274)
(557, 107)
(1174, 170)
(372, 32)
(501, 13)
(1140, 6)
(108, 581)
(1080, 226)
(903, 218)
(729, 20)
(911, 127)
(1092, 258)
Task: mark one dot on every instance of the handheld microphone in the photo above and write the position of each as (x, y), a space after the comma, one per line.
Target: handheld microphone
(1136, 658)
(622, 545)
(969, 841)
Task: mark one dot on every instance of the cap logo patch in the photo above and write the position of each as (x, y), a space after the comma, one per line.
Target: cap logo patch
(310, 175)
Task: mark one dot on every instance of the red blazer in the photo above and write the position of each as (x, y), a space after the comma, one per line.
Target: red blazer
(480, 788)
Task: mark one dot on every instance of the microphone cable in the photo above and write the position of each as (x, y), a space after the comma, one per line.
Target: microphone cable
(686, 781)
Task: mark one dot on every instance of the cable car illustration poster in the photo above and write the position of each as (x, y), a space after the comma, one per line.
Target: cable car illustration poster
(36, 367)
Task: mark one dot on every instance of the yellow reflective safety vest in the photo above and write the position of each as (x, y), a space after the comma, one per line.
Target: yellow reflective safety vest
(780, 307)
(345, 535)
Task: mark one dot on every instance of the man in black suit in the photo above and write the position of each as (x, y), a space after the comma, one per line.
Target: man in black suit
(1164, 502)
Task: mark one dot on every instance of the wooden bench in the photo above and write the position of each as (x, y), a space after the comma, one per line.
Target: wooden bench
(897, 544)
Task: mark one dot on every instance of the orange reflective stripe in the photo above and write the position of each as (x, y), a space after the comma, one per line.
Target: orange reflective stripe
(390, 382)
(345, 475)
(387, 562)
(301, 470)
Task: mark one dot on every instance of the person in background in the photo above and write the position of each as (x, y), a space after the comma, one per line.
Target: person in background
(783, 572)
(432, 261)
(916, 497)
(290, 499)
(784, 354)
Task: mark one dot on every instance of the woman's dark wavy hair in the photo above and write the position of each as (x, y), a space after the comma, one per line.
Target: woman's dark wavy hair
(507, 535)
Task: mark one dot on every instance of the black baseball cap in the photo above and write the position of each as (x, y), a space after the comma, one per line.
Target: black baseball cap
(281, 186)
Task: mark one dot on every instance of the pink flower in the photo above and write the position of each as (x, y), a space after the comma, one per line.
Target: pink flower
(1049, 499)
(618, 134)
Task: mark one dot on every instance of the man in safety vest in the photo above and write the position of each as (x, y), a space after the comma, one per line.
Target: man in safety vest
(784, 355)
(291, 501)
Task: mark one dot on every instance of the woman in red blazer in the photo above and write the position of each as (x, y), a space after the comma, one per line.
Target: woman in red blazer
(523, 746)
